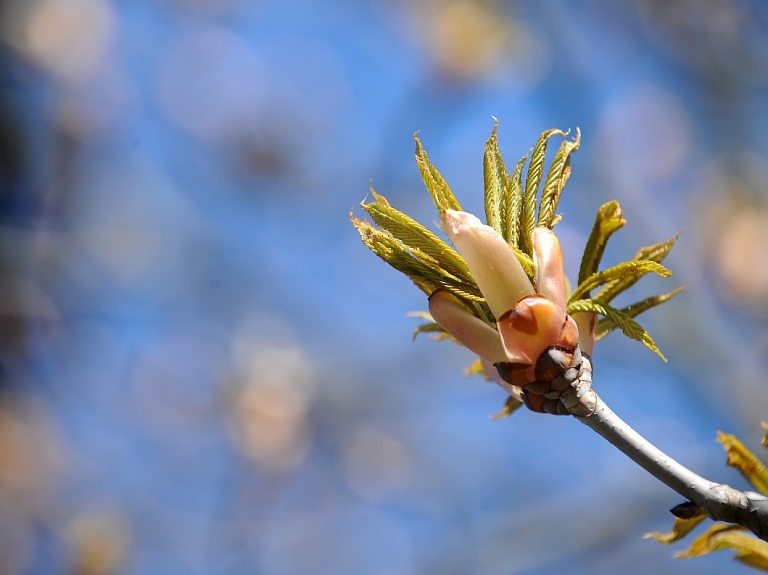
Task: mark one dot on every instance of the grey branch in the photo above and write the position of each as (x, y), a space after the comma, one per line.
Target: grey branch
(717, 501)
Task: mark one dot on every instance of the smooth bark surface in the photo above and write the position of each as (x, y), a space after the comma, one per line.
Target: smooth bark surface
(719, 502)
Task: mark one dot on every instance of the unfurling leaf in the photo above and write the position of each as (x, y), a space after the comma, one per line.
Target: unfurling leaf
(496, 180)
(414, 235)
(609, 219)
(618, 273)
(512, 212)
(626, 324)
(606, 326)
(526, 261)
(436, 185)
(558, 175)
(748, 549)
(655, 253)
(680, 529)
(742, 459)
(532, 181)
(423, 269)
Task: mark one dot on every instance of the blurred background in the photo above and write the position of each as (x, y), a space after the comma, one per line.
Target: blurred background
(205, 371)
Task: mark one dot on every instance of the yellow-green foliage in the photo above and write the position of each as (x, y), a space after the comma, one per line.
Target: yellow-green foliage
(511, 209)
(747, 548)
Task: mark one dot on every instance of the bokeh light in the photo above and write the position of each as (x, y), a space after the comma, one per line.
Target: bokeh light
(742, 256)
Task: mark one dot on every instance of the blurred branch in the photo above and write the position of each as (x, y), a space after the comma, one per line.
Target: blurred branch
(717, 501)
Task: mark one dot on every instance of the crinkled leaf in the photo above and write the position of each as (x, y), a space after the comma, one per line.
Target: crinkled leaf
(414, 235)
(626, 324)
(748, 549)
(510, 406)
(496, 180)
(422, 268)
(384, 245)
(558, 175)
(742, 459)
(618, 273)
(532, 181)
(512, 205)
(655, 253)
(526, 261)
(609, 218)
(680, 529)
(418, 268)
(606, 326)
(438, 188)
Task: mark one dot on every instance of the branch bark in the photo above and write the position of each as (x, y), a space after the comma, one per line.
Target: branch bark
(717, 501)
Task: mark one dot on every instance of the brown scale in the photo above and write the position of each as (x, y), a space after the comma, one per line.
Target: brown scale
(559, 384)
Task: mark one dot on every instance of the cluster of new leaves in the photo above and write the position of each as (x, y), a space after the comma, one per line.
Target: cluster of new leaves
(614, 280)
(514, 205)
(723, 536)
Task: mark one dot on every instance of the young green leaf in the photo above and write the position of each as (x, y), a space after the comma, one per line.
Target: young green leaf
(384, 245)
(496, 180)
(558, 175)
(414, 235)
(423, 269)
(608, 220)
(626, 324)
(606, 326)
(436, 185)
(512, 206)
(532, 181)
(655, 253)
(742, 459)
(618, 273)
(526, 261)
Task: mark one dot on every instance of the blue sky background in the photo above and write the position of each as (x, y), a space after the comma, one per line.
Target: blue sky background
(207, 372)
